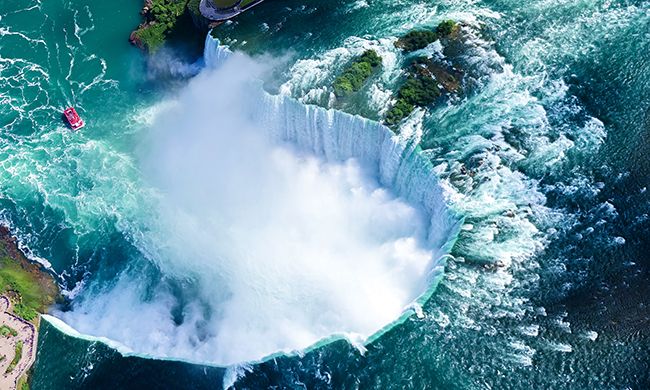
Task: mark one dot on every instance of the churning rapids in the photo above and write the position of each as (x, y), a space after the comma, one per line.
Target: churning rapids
(275, 225)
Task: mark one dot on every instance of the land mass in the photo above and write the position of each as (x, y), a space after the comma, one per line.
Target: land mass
(26, 290)
(161, 18)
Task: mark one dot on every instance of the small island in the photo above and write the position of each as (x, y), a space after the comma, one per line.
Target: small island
(427, 79)
(357, 73)
(26, 290)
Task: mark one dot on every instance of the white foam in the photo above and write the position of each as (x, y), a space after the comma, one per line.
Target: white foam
(278, 217)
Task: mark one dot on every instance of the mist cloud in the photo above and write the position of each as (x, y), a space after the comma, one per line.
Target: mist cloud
(279, 248)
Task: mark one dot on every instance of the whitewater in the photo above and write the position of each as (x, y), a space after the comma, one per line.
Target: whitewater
(286, 224)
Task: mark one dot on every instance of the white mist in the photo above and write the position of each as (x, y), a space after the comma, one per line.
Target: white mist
(283, 244)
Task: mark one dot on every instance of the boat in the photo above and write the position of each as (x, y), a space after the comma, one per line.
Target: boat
(73, 118)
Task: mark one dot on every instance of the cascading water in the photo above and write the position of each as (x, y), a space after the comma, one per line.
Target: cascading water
(272, 219)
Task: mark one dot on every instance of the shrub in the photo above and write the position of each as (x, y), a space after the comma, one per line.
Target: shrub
(163, 15)
(152, 36)
(399, 111)
(7, 331)
(420, 91)
(357, 73)
(446, 27)
(193, 6)
(419, 39)
(371, 57)
(416, 40)
(417, 91)
(25, 312)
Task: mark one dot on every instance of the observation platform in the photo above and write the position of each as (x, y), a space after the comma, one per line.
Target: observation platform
(222, 10)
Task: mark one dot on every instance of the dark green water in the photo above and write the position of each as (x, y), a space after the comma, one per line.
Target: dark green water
(554, 132)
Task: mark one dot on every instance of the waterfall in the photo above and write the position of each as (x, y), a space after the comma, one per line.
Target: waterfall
(287, 225)
(338, 136)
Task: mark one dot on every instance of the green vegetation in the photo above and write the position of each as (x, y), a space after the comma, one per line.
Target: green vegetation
(161, 19)
(416, 40)
(24, 288)
(416, 92)
(26, 312)
(18, 354)
(419, 91)
(152, 36)
(426, 79)
(193, 7)
(30, 289)
(7, 331)
(357, 73)
(446, 28)
(166, 12)
(419, 39)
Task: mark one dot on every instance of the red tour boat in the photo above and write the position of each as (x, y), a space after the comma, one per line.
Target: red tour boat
(73, 118)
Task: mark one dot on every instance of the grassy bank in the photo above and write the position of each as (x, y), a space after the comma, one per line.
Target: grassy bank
(6, 331)
(30, 289)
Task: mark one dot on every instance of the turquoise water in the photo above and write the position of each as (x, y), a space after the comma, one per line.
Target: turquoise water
(553, 132)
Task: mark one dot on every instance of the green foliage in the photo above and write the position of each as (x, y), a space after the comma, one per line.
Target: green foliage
(30, 295)
(23, 383)
(446, 27)
(14, 278)
(418, 91)
(399, 111)
(193, 6)
(416, 40)
(419, 39)
(167, 11)
(152, 36)
(18, 354)
(26, 312)
(7, 331)
(371, 57)
(164, 14)
(357, 73)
